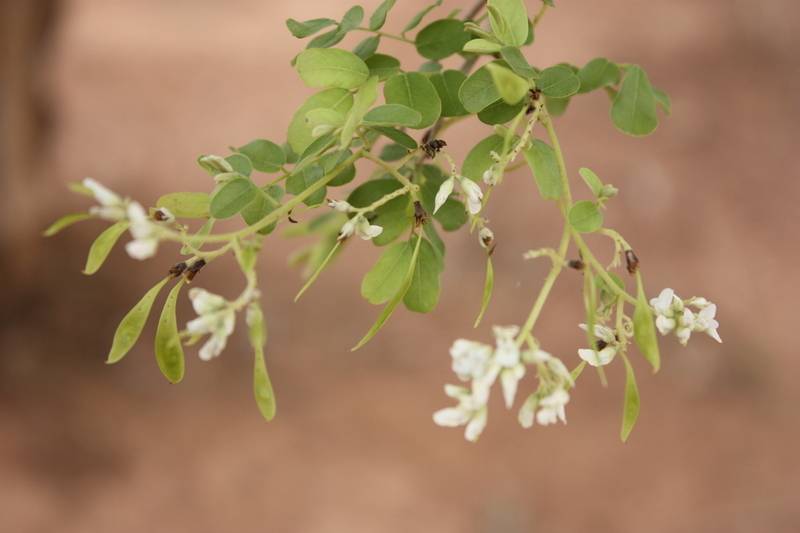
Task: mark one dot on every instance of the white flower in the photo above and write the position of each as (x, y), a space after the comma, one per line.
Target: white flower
(340, 205)
(527, 411)
(552, 408)
(443, 194)
(144, 233)
(490, 176)
(112, 206)
(606, 353)
(474, 194)
(216, 318)
(663, 305)
(507, 356)
(361, 227)
(683, 328)
(470, 359)
(704, 321)
(485, 236)
(469, 411)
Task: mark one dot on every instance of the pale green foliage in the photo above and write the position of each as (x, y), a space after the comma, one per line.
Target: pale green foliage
(407, 190)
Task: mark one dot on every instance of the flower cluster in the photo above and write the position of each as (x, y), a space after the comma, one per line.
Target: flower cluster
(483, 365)
(471, 189)
(217, 317)
(673, 315)
(143, 228)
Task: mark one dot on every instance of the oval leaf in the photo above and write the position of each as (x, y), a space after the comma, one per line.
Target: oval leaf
(558, 82)
(299, 132)
(509, 20)
(441, 39)
(591, 179)
(382, 66)
(231, 197)
(423, 293)
(544, 165)
(414, 90)
(478, 159)
(510, 86)
(102, 246)
(392, 115)
(265, 155)
(323, 67)
(378, 18)
(585, 217)
(186, 204)
(388, 274)
(478, 91)
(447, 85)
(297, 183)
(634, 110)
(169, 351)
(598, 73)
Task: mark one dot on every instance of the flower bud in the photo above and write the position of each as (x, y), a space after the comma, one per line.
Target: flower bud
(444, 193)
(340, 205)
(486, 236)
(215, 162)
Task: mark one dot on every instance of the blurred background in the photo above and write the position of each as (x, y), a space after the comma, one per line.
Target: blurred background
(132, 92)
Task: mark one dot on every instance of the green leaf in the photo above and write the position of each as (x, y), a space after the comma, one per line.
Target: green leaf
(630, 412)
(556, 106)
(478, 159)
(423, 293)
(478, 91)
(264, 203)
(392, 115)
(518, 63)
(634, 110)
(368, 193)
(317, 117)
(385, 278)
(291, 155)
(441, 39)
(514, 29)
(482, 46)
(67, 220)
(330, 161)
(511, 87)
(607, 295)
(185, 204)
(416, 19)
(592, 181)
(131, 326)
(585, 217)
(297, 183)
(102, 246)
(366, 96)
(378, 18)
(392, 152)
(241, 164)
(319, 146)
(331, 67)
(499, 113)
(262, 388)
(544, 165)
(644, 328)
(169, 351)
(414, 90)
(394, 224)
(231, 197)
(598, 73)
(367, 47)
(393, 303)
(400, 137)
(430, 67)
(307, 28)
(352, 19)
(383, 66)
(662, 99)
(437, 242)
(487, 289)
(324, 40)
(299, 133)
(265, 155)
(447, 85)
(558, 82)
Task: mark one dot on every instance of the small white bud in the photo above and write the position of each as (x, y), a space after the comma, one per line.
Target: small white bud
(215, 162)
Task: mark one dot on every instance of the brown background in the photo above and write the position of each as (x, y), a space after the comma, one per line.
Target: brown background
(709, 201)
